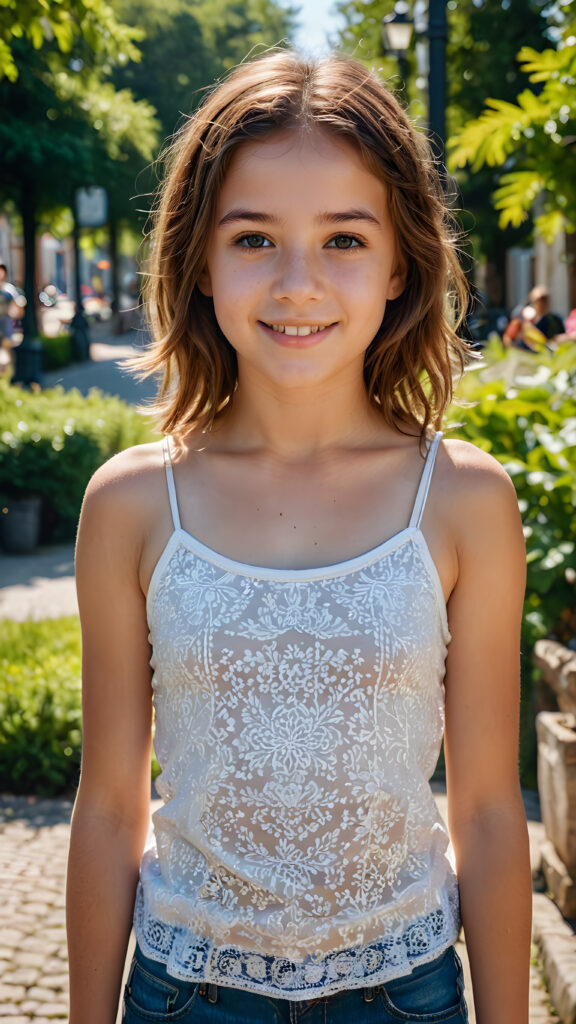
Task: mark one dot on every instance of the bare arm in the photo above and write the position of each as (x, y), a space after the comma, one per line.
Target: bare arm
(486, 815)
(111, 813)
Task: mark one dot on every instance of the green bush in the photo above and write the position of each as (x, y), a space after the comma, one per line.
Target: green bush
(52, 441)
(40, 706)
(523, 412)
(57, 350)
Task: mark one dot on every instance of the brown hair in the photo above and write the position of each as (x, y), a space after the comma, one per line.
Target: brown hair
(409, 365)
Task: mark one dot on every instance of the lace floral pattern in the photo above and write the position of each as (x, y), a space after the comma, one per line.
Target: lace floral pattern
(299, 718)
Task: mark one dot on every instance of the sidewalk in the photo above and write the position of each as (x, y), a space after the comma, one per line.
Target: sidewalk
(34, 832)
(104, 370)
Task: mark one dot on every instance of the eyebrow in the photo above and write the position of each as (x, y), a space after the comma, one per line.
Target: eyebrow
(340, 217)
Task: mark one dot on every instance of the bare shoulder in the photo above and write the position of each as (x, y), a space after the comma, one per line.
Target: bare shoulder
(132, 468)
(124, 497)
(473, 475)
(478, 495)
(127, 478)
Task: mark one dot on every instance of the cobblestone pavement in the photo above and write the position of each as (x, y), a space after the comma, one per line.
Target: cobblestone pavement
(33, 849)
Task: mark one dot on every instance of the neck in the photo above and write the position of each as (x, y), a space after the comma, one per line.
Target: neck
(300, 423)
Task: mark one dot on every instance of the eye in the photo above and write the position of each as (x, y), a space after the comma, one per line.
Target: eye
(345, 242)
(253, 242)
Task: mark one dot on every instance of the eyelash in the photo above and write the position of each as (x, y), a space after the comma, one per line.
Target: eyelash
(242, 242)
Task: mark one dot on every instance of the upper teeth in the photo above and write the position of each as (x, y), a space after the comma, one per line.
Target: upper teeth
(299, 332)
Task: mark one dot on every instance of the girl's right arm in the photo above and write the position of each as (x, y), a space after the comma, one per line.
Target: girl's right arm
(111, 813)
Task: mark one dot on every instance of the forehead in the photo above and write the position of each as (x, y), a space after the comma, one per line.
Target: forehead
(300, 162)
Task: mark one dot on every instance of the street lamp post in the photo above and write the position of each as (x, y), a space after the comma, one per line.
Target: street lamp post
(437, 75)
(396, 35)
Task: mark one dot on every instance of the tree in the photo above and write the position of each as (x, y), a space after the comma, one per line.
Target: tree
(528, 141)
(484, 37)
(64, 23)
(78, 107)
(187, 46)
(63, 123)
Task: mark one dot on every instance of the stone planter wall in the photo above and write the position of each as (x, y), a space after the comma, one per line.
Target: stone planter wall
(558, 665)
(557, 789)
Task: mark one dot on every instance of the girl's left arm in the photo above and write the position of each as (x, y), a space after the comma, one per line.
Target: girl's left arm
(486, 814)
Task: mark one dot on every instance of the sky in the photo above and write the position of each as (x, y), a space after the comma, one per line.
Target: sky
(317, 17)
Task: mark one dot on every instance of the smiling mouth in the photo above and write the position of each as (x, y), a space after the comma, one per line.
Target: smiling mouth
(297, 332)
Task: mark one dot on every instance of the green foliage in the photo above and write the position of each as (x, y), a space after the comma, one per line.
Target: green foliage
(51, 442)
(57, 350)
(190, 45)
(65, 23)
(65, 127)
(528, 139)
(40, 706)
(484, 37)
(524, 414)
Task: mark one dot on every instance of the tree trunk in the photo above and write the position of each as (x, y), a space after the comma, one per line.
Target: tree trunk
(115, 303)
(28, 214)
(571, 254)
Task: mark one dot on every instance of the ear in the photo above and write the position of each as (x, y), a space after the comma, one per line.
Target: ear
(204, 282)
(397, 283)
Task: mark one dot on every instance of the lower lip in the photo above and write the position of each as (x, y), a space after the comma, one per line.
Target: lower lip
(295, 340)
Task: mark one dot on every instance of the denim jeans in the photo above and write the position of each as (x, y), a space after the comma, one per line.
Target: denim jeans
(432, 994)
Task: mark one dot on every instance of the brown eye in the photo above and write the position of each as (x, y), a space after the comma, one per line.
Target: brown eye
(253, 242)
(344, 242)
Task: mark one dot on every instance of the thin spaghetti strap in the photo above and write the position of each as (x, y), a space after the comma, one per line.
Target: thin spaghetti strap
(171, 484)
(424, 486)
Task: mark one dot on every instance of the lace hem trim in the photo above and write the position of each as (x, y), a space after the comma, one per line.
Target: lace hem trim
(193, 958)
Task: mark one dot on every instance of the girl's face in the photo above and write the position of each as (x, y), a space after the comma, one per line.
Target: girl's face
(301, 260)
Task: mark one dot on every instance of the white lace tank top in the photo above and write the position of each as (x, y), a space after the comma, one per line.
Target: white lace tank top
(299, 716)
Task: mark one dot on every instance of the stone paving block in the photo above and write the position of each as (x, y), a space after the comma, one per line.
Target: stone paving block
(55, 965)
(54, 934)
(38, 910)
(30, 959)
(53, 1010)
(11, 993)
(12, 937)
(32, 944)
(40, 993)
(55, 918)
(56, 982)
(26, 976)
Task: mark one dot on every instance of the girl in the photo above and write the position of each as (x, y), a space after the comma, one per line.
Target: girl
(283, 562)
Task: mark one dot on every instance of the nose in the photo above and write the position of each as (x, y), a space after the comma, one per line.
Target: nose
(299, 277)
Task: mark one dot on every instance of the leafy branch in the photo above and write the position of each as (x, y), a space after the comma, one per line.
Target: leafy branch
(528, 141)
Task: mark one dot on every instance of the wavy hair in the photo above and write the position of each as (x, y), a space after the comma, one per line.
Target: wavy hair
(410, 364)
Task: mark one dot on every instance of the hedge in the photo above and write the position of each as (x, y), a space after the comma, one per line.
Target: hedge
(40, 705)
(522, 409)
(57, 350)
(52, 441)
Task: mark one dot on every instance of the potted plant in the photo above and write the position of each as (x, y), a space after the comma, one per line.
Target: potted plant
(20, 498)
